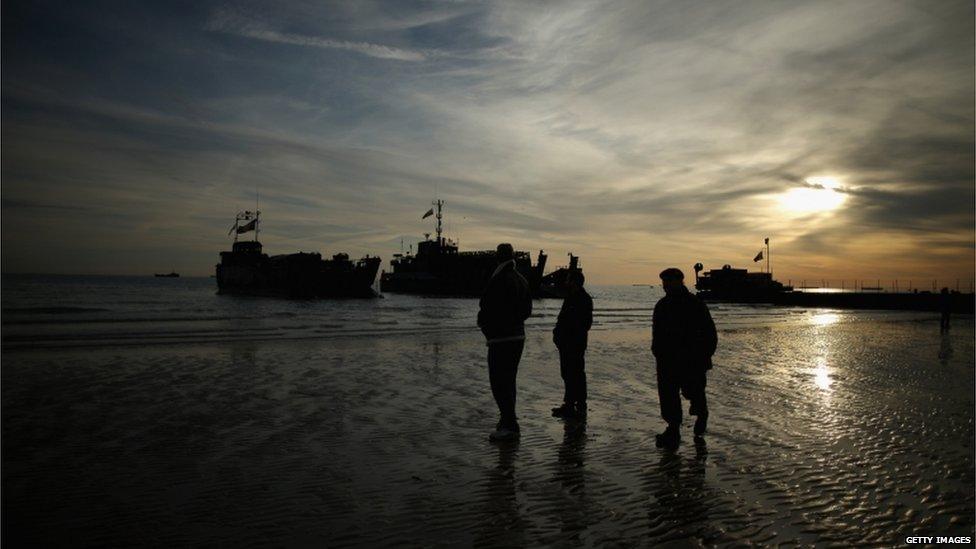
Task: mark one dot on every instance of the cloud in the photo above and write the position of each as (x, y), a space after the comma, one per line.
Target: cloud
(636, 134)
(236, 24)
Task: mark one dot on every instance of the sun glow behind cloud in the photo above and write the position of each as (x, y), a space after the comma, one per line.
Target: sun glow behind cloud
(822, 195)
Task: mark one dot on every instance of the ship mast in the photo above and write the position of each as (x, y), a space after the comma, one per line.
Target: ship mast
(257, 212)
(439, 203)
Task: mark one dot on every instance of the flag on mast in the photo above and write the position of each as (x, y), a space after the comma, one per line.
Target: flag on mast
(429, 213)
(758, 257)
(247, 227)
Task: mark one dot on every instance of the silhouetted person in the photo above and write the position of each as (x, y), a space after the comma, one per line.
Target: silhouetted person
(504, 307)
(570, 335)
(683, 341)
(945, 306)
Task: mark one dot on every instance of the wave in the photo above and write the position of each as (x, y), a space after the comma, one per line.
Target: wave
(55, 310)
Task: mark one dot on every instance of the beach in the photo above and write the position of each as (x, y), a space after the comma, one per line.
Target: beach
(845, 427)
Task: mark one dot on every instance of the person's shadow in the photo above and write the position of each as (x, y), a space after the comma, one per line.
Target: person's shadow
(501, 524)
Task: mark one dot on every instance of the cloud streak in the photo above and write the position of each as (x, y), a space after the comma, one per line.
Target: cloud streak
(236, 24)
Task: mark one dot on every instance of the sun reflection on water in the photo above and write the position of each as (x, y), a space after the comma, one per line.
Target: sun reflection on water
(824, 319)
(821, 375)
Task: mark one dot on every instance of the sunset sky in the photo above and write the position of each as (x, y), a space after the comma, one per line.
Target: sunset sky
(638, 135)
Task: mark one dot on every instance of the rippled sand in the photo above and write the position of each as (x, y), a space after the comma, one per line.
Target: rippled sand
(850, 432)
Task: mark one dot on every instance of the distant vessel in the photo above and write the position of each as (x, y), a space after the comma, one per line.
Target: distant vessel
(438, 268)
(247, 270)
(170, 275)
(740, 286)
(729, 283)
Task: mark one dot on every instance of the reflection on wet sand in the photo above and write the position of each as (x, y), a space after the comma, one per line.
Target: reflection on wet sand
(502, 523)
(678, 500)
(945, 349)
(575, 514)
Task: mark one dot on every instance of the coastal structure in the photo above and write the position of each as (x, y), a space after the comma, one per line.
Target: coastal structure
(439, 268)
(247, 270)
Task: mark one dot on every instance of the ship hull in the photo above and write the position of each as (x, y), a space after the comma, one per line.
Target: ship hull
(459, 282)
(297, 276)
(922, 301)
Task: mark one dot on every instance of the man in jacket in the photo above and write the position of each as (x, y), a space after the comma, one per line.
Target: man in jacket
(570, 335)
(504, 307)
(683, 341)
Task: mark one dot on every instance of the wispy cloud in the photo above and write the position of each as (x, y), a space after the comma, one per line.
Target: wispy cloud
(236, 24)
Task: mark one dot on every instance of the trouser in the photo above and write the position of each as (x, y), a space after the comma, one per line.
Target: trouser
(572, 368)
(674, 381)
(944, 321)
(503, 361)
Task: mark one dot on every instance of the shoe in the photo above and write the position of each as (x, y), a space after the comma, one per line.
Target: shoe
(562, 411)
(504, 433)
(668, 440)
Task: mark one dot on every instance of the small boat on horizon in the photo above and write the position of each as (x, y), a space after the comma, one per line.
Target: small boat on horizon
(168, 275)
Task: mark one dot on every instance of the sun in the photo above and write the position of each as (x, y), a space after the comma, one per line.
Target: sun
(820, 196)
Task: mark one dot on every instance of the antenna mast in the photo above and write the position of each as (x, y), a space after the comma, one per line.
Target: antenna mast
(257, 212)
(439, 203)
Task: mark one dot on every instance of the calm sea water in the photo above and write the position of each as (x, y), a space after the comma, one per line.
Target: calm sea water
(41, 311)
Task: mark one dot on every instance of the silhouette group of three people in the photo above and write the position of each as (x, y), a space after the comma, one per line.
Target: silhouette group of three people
(683, 341)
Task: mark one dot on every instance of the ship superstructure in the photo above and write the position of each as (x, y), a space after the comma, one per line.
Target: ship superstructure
(439, 268)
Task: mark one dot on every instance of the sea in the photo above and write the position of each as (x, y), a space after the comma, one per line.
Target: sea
(55, 311)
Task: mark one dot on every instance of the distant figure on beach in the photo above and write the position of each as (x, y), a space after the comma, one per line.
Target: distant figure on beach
(683, 340)
(945, 306)
(504, 307)
(570, 335)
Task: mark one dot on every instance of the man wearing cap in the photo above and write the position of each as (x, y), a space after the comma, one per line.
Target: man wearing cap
(683, 340)
(504, 307)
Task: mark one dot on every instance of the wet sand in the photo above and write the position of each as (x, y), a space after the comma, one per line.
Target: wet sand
(827, 432)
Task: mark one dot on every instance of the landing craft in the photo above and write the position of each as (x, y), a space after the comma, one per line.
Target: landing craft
(734, 285)
(438, 268)
(246, 270)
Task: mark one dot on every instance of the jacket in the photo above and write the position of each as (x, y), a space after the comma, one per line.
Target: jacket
(683, 333)
(505, 305)
(574, 321)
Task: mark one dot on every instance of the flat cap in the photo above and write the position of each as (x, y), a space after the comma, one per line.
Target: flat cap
(673, 273)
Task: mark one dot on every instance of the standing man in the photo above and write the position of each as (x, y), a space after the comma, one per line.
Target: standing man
(504, 307)
(570, 335)
(683, 341)
(945, 307)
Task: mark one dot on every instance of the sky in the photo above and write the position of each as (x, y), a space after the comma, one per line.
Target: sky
(638, 135)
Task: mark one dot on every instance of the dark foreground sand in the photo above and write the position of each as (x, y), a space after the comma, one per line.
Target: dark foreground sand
(856, 432)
